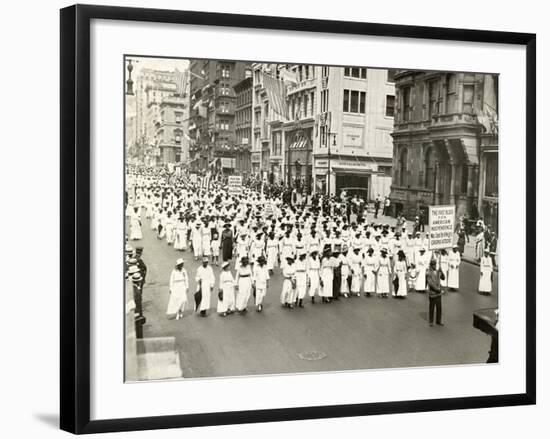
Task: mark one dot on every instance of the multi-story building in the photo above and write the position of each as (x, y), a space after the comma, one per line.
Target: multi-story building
(157, 103)
(212, 114)
(171, 126)
(440, 139)
(243, 124)
(298, 131)
(353, 147)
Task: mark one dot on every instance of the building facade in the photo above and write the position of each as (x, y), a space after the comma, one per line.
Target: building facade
(212, 114)
(439, 142)
(171, 126)
(353, 148)
(157, 104)
(243, 124)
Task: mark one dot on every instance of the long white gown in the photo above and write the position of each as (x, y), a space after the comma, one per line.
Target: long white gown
(301, 279)
(205, 277)
(327, 276)
(370, 264)
(421, 266)
(383, 276)
(313, 267)
(454, 264)
(227, 285)
(260, 277)
(400, 269)
(135, 227)
(272, 251)
(244, 283)
(179, 284)
(485, 269)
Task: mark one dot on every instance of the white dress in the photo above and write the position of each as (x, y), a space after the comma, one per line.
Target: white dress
(355, 267)
(327, 276)
(383, 276)
(180, 239)
(227, 286)
(260, 277)
(421, 266)
(244, 282)
(401, 273)
(179, 284)
(454, 264)
(206, 279)
(135, 227)
(301, 279)
(313, 267)
(485, 269)
(272, 252)
(289, 272)
(444, 267)
(370, 264)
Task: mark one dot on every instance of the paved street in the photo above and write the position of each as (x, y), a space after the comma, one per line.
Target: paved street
(354, 333)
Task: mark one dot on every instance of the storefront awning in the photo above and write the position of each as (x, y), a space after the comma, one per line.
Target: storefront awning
(363, 171)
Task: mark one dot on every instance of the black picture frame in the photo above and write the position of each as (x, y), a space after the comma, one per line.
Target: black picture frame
(75, 217)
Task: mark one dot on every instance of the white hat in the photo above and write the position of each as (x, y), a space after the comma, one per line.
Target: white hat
(133, 269)
(180, 261)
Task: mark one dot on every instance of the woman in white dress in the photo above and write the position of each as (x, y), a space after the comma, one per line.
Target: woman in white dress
(486, 274)
(272, 252)
(170, 228)
(444, 267)
(327, 276)
(454, 264)
(383, 274)
(215, 247)
(179, 284)
(370, 266)
(355, 261)
(313, 267)
(400, 270)
(260, 278)
(226, 305)
(421, 265)
(205, 279)
(244, 285)
(180, 238)
(135, 225)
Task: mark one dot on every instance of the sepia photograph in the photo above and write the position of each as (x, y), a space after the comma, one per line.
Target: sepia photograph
(297, 219)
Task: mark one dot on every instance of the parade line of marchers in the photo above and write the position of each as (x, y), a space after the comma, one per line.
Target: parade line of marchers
(326, 248)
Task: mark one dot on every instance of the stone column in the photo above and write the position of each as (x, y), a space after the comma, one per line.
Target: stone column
(452, 199)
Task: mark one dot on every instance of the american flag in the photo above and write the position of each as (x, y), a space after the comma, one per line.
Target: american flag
(276, 93)
(181, 80)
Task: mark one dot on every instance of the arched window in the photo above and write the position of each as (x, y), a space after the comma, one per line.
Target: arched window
(429, 169)
(403, 158)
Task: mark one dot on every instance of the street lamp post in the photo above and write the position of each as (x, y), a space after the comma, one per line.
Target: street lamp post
(329, 134)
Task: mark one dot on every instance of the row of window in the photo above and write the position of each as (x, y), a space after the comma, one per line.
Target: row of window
(428, 174)
(361, 73)
(302, 106)
(440, 100)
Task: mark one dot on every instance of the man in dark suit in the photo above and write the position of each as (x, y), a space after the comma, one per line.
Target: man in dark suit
(434, 276)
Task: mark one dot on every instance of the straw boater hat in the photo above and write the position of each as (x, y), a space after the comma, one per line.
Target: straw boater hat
(133, 269)
(180, 261)
(132, 261)
(129, 249)
(136, 277)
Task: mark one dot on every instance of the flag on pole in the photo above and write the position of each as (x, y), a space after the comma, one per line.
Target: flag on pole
(181, 79)
(276, 94)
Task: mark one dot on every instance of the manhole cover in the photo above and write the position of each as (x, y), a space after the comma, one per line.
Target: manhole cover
(312, 355)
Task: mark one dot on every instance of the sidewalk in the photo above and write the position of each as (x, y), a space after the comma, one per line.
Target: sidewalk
(469, 249)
